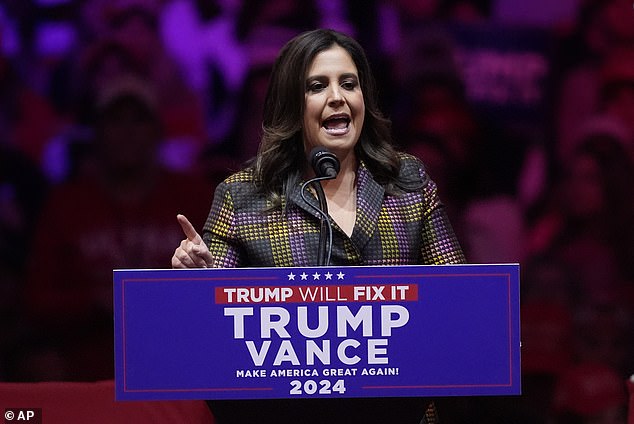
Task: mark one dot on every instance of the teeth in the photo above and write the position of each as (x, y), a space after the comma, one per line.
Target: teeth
(336, 123)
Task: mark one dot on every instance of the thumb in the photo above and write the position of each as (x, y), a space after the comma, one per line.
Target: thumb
(188, 229)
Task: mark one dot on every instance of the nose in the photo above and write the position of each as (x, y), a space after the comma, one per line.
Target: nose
(335, 97)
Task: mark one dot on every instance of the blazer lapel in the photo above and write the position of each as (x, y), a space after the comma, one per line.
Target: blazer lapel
(295, 197)
(369, 202)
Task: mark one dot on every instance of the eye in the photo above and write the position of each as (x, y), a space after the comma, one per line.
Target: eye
(316, 86)
(349, 84)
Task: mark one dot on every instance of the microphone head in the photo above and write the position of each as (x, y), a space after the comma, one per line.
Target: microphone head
(324, 162)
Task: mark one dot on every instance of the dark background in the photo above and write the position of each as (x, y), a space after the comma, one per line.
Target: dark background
(117, 115)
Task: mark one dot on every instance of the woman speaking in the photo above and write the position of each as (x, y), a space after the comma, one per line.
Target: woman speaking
(382, 206)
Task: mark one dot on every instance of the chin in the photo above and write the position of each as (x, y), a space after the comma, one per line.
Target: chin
(341, 144)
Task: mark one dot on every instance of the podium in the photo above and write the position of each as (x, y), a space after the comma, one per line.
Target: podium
(317, 332)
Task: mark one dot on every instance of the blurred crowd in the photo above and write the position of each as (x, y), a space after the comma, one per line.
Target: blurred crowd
(115, 115)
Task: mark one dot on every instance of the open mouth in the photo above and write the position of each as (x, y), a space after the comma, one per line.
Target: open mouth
(336, 124)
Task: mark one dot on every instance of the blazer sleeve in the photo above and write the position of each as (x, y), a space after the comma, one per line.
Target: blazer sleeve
(220, 230)
(439, 242)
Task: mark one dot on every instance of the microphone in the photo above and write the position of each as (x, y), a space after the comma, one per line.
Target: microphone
(324, 162)
(326, 166)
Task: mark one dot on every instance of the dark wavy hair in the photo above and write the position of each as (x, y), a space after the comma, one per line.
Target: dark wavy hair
(281, 159)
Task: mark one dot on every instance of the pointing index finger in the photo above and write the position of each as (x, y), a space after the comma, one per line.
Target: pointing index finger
(188, 229)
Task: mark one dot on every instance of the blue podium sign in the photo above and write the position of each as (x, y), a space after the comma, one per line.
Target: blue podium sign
(264, 333)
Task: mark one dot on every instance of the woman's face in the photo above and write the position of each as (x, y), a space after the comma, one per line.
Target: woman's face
(334, 112)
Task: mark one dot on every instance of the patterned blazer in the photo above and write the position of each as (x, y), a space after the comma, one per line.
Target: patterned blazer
(408, 229)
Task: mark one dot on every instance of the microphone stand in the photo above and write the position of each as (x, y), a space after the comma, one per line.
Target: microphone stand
(323, 205)
(323, 257)
(326, 166)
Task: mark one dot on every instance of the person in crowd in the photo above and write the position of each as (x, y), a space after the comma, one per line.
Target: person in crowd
(383, 206)
(602, 333)
(201, 37)
(113, 214)
(95, 66)
(21, 106)
(588, 222)
(587, 229)
(604, 30)
(475, 162)
(137, 27)
(548, 297)
(617, 93)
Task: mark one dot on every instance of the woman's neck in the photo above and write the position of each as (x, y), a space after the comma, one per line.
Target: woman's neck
(341, 196)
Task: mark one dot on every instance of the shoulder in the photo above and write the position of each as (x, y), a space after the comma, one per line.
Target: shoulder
(245, 176)
(239, 188)
(412, 169)
(409, 161)
(240, 182)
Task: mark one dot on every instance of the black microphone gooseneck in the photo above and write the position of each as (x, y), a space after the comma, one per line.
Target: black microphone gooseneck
(326, 166)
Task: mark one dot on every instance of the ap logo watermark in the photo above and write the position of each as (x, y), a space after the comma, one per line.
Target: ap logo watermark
(19, 415)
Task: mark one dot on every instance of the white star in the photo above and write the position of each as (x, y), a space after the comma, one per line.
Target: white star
(303, 275)
(291, 276)
(316, 276)
(340, 275)
(328, 276)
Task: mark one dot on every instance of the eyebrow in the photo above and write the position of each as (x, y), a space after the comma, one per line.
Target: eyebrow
(342, 76)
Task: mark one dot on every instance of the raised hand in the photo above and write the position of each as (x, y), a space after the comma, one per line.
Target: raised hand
(192, 252)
